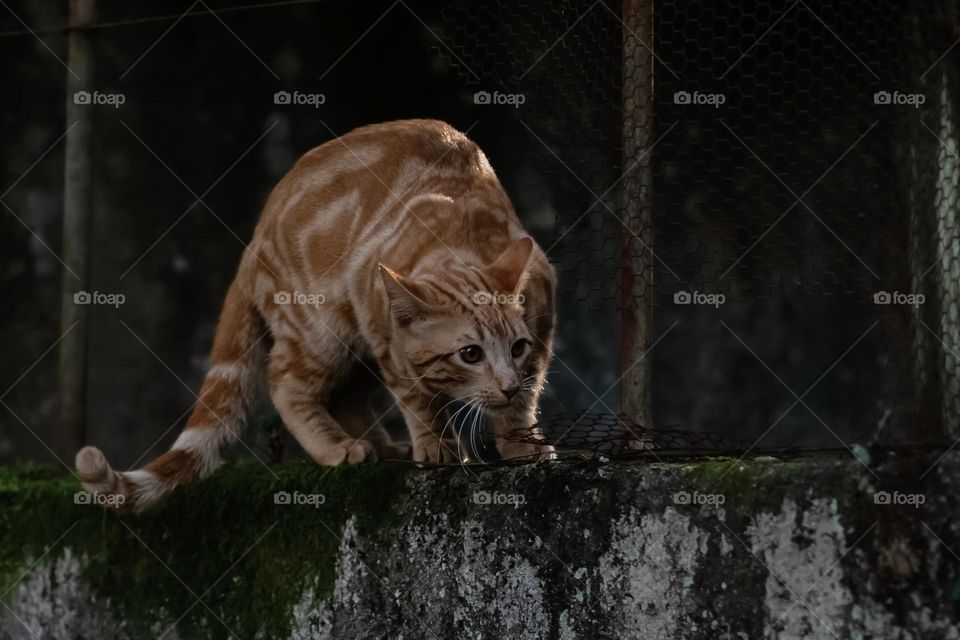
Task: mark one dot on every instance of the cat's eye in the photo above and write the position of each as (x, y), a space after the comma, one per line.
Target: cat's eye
(519, 348)
(471, 354)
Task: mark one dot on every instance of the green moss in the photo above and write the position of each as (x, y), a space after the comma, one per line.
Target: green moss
(35, 510)
(223, 540)
(744, 483)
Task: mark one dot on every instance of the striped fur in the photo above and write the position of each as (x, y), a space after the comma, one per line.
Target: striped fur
(395, 242)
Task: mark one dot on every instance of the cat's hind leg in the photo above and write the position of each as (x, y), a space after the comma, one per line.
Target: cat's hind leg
(300, 389)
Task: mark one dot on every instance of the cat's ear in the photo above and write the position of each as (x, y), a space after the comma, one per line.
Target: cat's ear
(405, 306)
(509, 268)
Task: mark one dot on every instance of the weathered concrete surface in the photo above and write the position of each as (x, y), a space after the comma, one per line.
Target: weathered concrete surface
(556, 550)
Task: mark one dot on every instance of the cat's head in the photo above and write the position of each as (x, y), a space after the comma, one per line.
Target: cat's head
(460, 329)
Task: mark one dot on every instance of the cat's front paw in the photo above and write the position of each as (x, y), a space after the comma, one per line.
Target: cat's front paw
(525, 452)
(352, 452)
(433, 449)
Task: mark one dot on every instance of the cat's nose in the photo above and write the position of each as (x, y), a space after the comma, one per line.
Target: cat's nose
(510, 391)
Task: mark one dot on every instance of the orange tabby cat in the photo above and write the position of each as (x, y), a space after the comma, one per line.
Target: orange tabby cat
(395, 242)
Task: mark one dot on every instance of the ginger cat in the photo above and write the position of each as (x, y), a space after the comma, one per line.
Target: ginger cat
(396, 243)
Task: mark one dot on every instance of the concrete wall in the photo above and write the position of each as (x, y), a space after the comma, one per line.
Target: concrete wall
(559, 550)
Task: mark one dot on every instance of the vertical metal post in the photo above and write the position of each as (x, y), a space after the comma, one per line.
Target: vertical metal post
(637, 205)
(76, 232)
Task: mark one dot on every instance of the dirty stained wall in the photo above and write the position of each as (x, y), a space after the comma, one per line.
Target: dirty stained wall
(558, 550)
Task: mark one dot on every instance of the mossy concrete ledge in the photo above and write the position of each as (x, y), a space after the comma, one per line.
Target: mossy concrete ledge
(714, 549)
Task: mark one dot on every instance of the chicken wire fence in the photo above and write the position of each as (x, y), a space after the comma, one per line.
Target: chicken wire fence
(765, 195)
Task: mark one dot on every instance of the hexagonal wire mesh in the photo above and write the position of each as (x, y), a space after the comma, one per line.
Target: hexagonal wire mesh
(767, 192)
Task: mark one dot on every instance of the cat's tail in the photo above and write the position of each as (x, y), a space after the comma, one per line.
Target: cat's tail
(229, 392)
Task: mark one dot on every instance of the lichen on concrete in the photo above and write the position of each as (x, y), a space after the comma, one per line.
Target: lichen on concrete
(494, 584)
(53, 601)
(805, 595)
(647, 572)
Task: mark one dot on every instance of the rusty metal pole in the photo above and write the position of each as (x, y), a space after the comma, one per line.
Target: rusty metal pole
(76, 232)
(637, 205)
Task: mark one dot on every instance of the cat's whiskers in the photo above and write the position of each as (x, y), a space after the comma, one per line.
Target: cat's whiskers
(435, 396)
(473, 423)
(478, 421)
(452, 418)
(480, 426)
(473, 406)
(477, 410)
(466, 397)
(437, 414)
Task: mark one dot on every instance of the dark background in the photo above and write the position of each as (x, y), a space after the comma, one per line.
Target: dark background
(798, 81)
(200, 100)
